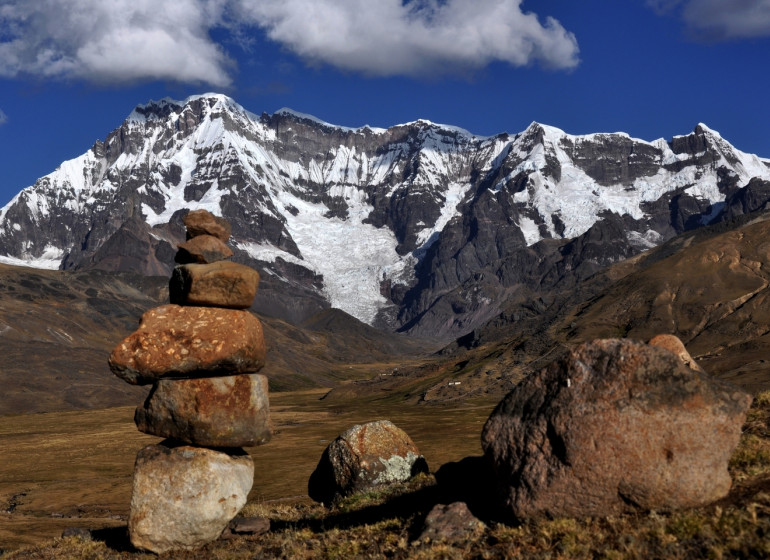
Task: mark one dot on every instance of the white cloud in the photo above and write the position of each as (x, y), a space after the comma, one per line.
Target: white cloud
(421, 37)
(127, 40)
(115, 41)
(3, 118)
(720, 19)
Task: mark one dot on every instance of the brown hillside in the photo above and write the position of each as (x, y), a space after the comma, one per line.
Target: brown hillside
(57, 329)
(712, 293)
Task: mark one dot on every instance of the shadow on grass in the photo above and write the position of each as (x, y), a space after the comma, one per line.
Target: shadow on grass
(114, 538)
(468, 481)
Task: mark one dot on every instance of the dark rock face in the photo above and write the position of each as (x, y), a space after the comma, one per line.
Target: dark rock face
(364, 457)
(615, 426)
(440, 226)
(752, 197)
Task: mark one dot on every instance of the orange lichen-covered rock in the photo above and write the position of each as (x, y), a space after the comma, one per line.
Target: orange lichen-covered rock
(177, 341)
(231, 411)
(219, 284)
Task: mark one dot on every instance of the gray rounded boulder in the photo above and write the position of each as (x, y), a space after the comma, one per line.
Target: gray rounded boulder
(364, 457)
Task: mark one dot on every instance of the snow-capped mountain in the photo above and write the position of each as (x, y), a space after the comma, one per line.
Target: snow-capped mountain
(418, 226)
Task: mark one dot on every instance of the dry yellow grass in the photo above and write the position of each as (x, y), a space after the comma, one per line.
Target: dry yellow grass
(387, 524)
(74, 469)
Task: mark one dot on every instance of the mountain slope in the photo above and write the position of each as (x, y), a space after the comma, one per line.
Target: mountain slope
(421, 227)
(57, 329)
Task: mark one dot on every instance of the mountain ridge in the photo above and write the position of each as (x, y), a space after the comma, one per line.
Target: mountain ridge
(395, 226)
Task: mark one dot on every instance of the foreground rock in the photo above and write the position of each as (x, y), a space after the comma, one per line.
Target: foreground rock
(219, 284)
(364, 457)
(184, 497)
(230, 411)
(175, 341)
(615, 426)
(451, 523)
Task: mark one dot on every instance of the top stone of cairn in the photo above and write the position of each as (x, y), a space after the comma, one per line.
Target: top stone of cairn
(203, 222)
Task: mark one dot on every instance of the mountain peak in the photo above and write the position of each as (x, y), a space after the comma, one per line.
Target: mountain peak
(160, 109)
(702, 128)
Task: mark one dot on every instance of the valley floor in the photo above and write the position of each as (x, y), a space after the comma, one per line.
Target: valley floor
(74, 470)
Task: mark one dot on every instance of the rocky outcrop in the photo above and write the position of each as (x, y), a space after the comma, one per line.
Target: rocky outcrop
(676, 347)
(184, 496)
(615, 426)
(451, 523)
(364, 457)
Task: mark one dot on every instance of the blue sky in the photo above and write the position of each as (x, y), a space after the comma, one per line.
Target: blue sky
(72, 70)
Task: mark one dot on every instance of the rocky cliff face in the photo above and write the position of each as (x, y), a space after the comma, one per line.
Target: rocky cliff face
(419, 227)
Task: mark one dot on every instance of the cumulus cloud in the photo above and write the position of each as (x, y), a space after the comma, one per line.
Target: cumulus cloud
(129, 40)
(115, 41)
(3, 118)
(420, 37)
(720, 19)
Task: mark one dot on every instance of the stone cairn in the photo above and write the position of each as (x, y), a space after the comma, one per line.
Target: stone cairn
(201, 354)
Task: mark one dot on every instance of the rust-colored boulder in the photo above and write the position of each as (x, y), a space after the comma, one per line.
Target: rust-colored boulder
(202, 249)
(184, 497)
(230, 411)
(364, 457)
(220, 284)
(176, 341)
(203, 222)
(673, 344)
(616, 425)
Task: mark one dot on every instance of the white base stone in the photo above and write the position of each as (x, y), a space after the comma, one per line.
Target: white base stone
(183, 496)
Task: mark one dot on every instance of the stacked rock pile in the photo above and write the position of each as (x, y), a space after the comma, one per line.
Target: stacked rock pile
(201, 353)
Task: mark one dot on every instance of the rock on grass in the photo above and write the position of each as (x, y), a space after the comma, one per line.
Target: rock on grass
(614, 426)
(362, 458)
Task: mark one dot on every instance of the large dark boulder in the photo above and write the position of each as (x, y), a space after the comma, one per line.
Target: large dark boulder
(615, 425)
